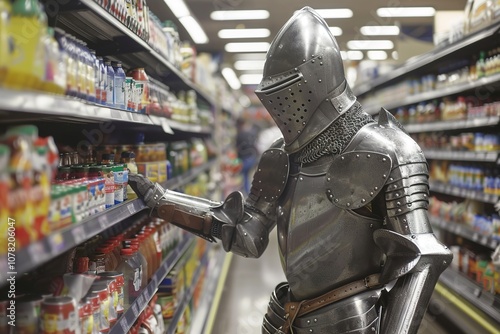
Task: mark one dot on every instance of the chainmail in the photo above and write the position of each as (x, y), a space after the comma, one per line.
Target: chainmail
(336, 137)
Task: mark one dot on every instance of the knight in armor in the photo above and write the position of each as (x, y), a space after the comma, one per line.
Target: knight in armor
(348, 194)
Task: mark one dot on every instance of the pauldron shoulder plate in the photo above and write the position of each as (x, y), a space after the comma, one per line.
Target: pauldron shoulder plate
(271, 175)
(355, 178)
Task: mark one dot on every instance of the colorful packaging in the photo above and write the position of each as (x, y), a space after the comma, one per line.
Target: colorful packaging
(5, 37)
(109, 187)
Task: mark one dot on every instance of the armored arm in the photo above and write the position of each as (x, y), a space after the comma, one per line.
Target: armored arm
(242, 225)
(413, 254)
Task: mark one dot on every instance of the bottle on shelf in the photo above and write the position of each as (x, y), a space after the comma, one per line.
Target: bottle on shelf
(128, 158)
(119, 88)
(132, 272)
(110, 84)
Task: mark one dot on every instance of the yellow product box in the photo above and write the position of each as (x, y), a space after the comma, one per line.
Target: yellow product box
(149, 170)
(162, 171)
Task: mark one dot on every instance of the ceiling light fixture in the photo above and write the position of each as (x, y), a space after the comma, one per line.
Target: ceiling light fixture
(379, 30)
(233, 15)
(406, 11)
(251, 56)
(354, 55)
(336, 31)
(370, 44)
(244, 33)
(250, 79)
(194, 29)
(178, 7)
(247, 47)
(249, 65)
(376, 55)
(231, 78)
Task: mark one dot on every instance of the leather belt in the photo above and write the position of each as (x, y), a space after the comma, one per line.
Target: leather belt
(298, 309)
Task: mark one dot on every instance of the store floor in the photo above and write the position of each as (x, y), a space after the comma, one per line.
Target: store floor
(246, 294)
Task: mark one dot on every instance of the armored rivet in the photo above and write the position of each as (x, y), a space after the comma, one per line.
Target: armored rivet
(327, 100)
(371, 225)
(336, 200)
(384, 176)
(357, 155)
(331, 196)
(260, 170)
(395, 186)
(363, 200)
(312, 61)
(292, 307)
(391, 179)
(303, 60)
(310, 331)
(245, 233)
(308, 322)
(298, 131)
(399, 210)
(348, 204)
(328, 179)
(342, 158)
(376, 188)
(319, 80)
(398, 204)
(404, 220)
(260, 181)
(368, 156)
(315, 320)
(413, 236)
(445, 263)
(425, 195)
(397, 194)
(301, 179)
(373, 329)
(303, 123)
(371, 193)
(305, 81)
(321, 63)
(296, 69)
(384, 159)
(289, 89)
(261, 239)
(409, 204)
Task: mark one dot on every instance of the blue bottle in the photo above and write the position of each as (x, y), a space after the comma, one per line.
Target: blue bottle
(119, 88)
(110, 84)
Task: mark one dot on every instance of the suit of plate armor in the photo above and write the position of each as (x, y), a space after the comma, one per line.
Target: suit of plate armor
(348, 194)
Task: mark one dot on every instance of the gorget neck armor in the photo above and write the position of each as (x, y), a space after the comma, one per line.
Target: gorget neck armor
(337, 136)
(303, 86)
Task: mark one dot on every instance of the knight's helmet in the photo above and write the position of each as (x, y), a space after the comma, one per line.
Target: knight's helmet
(303, 86)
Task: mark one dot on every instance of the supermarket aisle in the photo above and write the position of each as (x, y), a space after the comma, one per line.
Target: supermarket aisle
(246, 293)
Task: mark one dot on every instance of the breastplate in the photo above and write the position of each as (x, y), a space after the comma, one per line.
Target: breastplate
(322, 246)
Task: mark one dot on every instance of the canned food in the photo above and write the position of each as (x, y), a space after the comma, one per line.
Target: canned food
(59, 315)
(120, 284)
(101, 289)
(95, 318)
(85, 315)
(112, 293)
(28, 314)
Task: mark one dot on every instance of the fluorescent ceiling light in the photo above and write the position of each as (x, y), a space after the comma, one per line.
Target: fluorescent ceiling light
(334, 13)
(251, 56)
(406, 11)
(232, 15)
(244, 33)
(249, 65)
(336, 31)
(370, 44)
(395, 55)
(247, 47)
(376, 55)
(231, 78)
(178, 7)
(343, 54)
(250, 79)
(379, 30)
(354, 55)
(194, 29)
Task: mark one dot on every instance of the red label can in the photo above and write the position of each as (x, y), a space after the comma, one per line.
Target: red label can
(59, 315)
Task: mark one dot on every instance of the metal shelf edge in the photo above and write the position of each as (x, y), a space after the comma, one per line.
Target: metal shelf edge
(482, 156)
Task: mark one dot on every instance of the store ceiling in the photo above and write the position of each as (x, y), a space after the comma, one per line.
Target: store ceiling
(364, 13)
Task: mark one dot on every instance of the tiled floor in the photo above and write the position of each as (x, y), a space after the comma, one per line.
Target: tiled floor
(247, 290)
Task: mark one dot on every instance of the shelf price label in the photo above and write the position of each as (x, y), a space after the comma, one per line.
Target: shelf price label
(78, 234)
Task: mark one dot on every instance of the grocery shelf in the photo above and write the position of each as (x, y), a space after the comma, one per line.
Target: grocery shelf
(483, 156)
(186, 296)
(426, 59)
(212, 278)
(466, 232)
(129, 317)
(461, 192)
(470, 123)
(472, 292)
(436, 93)
(58, 242)
(109, 37)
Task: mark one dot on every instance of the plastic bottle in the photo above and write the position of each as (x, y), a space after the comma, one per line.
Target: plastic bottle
(129, 159)
(132, 274)
(135, 243)
(5, 51)
(110, 84)
(91, 75)
(102, 82)
(26, 68)
(480, 66)
(119, 89)
(96, 71)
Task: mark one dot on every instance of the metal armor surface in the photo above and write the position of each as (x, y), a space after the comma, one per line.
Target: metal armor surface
(303, 85)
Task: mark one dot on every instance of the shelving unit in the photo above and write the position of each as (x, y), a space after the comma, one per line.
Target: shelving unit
(482, 301)
(102, 32)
